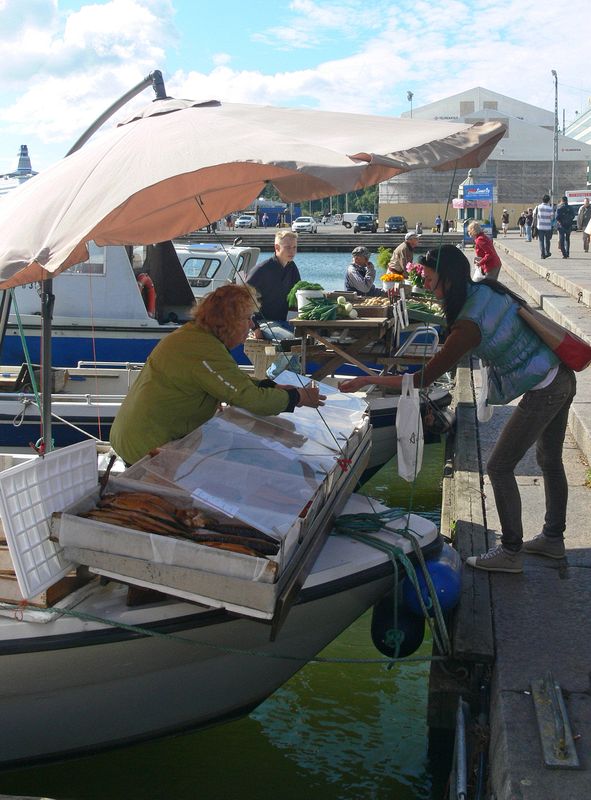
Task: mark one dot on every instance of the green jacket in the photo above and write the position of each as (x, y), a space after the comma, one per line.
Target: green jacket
(180, 387)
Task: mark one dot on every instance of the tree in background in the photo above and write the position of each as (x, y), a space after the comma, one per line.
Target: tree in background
(361, 200)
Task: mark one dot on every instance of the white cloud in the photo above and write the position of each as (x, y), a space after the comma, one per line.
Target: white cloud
(220, 59)
(77, 66)
(60, 70)
(312, 24)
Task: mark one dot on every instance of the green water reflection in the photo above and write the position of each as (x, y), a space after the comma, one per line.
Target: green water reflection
(333, 732)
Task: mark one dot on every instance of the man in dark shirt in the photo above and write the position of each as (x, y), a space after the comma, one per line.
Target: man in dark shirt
(565, 215)
(273, 279)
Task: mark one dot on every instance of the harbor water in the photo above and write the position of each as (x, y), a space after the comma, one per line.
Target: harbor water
(327, 269)
(335, 731)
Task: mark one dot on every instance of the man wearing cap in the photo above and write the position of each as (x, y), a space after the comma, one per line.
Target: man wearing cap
(403, 254)
(361, 273)
(505, 221)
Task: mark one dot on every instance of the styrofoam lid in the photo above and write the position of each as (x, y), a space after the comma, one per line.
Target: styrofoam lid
(29, 494)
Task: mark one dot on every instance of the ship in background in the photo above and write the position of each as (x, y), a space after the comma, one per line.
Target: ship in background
(22, 173)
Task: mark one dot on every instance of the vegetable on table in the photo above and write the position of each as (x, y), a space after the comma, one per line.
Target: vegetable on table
(291, 296)
(320, 308)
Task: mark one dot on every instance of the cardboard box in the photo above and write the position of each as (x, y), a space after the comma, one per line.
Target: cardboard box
(384, 311)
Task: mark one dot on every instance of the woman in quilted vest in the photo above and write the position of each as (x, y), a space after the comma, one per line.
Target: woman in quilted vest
(482, 320)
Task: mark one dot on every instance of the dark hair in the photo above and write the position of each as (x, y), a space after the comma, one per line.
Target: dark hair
(453, 269)
(546, 198)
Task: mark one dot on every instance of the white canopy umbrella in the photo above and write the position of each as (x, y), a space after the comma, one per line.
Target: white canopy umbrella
(179, 165)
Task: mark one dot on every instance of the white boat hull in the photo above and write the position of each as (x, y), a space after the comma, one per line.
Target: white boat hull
(73, 686)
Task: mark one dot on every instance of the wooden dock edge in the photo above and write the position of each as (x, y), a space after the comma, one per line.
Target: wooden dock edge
(463, 520)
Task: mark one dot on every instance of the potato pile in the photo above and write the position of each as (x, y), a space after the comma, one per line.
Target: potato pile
(375, 301)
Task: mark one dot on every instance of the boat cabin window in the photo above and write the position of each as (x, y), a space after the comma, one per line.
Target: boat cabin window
(200, 270)
(86, 268)
(94, 266)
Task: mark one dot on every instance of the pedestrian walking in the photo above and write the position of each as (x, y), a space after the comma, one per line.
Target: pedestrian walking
(583, 219)
(505, 221)
(565, 216)
(487, 260)
(529, 221)
(544, 219)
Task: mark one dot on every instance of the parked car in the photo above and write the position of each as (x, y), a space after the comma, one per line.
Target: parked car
(245, 221)
(365, 222)
(395, 225)
(304, 225)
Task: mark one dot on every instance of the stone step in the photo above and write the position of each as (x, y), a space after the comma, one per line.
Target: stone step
(335, 242)
(545, 271)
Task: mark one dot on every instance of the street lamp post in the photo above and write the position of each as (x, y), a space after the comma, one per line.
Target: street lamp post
(555, 153)
(409, 97)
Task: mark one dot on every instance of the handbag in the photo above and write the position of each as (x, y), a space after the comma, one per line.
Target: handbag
(570, 348)
(409, 431)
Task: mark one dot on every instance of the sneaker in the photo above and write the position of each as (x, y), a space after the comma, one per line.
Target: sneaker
(542, 545)
(497, 560)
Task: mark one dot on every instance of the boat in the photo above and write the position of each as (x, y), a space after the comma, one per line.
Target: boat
(114, 674)
(113, 308)
(86, 398)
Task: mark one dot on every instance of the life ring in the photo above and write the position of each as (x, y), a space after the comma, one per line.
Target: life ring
(148, 290)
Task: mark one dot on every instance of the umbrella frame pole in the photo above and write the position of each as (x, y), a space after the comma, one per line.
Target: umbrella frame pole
(154, 78)
(47, 302)
(47, 296)
(5, 303)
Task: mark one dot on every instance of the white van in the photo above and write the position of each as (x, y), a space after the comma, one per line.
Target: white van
(349, 219)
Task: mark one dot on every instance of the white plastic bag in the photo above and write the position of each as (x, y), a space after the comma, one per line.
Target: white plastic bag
(478, 275)
(409, 431)
(483, 411)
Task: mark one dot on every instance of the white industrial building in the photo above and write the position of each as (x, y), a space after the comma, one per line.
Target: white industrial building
(580, 129)
(519, 168)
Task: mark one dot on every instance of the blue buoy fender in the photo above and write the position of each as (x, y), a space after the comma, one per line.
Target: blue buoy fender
(446, 575)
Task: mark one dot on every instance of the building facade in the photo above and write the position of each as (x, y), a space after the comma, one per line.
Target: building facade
(519, 168)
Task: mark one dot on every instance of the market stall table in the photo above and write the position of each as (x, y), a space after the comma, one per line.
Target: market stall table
(361, 333)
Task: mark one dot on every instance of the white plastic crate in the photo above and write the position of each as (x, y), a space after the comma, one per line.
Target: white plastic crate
(29, 494)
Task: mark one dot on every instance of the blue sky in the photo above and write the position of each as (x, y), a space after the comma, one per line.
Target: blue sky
(63, 62)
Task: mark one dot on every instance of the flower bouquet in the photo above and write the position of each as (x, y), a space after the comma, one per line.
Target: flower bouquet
(391, 282)
(416, 274)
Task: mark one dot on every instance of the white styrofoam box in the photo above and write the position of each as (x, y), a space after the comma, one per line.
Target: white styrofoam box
(29, 494)
(91, 534)
(244, 584)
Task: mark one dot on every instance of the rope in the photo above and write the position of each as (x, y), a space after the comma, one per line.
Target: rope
(25, 349)
(358, 526)
(146, 632)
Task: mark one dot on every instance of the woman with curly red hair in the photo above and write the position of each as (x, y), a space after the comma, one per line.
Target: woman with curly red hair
(191, 371)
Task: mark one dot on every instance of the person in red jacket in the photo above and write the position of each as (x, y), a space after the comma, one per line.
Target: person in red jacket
(487, 257)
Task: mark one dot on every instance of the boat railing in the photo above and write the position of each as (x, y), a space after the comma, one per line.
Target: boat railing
(63, 398)
(110, 365)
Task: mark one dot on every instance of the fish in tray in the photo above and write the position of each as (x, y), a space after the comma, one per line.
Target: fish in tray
(150, 513)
